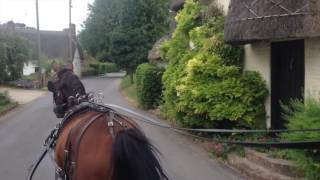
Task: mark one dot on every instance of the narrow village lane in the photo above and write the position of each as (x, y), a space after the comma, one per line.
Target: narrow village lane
(22, 133)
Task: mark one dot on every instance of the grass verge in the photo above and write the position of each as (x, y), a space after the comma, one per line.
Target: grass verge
(6, 108)
(129, 90)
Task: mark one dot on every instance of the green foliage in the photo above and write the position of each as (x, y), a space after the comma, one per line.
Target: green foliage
(129, 89)
(204, 83)
(93, 67)
(4, 99)
(223, 150)
(103, 68)
(149, 86)
(14, 53)
(31, 77)
(123, 31)
(304, 116)
(46, 63)
(86, 69)
(125, 83)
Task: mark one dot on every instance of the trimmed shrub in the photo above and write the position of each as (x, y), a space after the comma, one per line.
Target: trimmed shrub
(110, 68)
(103, 68)
(306, 115)
(149, 86)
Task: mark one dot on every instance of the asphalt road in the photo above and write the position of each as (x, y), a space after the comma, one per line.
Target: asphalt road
(23, 131)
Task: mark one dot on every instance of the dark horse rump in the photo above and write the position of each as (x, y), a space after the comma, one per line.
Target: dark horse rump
(101, 144)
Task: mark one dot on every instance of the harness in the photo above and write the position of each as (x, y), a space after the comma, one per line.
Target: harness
(71, 153)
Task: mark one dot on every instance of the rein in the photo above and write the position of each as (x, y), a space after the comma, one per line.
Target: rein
(111, 109)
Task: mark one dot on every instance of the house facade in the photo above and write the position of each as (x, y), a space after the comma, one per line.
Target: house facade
(281, 39)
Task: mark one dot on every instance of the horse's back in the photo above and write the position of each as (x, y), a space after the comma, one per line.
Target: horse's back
(90, 150)
(106, 146)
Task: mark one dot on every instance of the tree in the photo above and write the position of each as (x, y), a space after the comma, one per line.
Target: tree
(124, 30)
(14, 53)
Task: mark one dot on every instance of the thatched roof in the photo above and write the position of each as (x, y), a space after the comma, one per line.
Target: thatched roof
(54, 44)
(256, 20)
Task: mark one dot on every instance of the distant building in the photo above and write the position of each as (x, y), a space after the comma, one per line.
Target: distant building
(54, 44)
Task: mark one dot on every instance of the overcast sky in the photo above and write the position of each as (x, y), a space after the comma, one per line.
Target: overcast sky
(54, 14)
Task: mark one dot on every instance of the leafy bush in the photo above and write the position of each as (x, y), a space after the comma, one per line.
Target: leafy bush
(4, 99)
(46, 63)
(90, 66)
(204, 84)
(98, 68)
(304, 116)
(108, 68)
(149, 86)
(14, 53)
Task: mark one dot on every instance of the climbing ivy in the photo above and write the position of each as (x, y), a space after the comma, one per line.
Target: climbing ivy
(205, 85)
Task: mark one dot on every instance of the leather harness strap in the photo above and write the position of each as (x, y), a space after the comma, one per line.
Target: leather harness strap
(67, 151)
(70, 157)
(79, 138)
(110, 124)
(77, 133)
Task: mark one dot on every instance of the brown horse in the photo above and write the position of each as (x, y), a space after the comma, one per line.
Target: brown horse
(105, 146)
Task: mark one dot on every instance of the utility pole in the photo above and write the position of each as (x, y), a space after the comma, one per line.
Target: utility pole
(70, 32)
(39, 45)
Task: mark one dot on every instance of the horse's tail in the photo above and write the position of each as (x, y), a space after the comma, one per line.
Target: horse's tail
(134, 157)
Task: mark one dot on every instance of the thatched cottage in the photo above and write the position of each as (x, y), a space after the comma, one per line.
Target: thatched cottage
(282, 41)
(54, 44)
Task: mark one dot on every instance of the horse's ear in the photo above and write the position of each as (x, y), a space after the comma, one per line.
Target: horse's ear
(51, 87)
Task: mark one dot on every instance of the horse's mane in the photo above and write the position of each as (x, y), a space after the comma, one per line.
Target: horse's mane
(134, 157)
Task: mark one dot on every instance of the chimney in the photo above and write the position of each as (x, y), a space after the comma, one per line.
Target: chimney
(11, 26)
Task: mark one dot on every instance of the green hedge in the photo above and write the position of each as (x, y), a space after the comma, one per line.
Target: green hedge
(102, 68)
(304, 115)
(149, 86)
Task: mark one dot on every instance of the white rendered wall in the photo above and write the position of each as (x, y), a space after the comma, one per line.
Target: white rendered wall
(312, 67)
(224, 4)
(29, 68)
(258, 58)
(77, 63)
